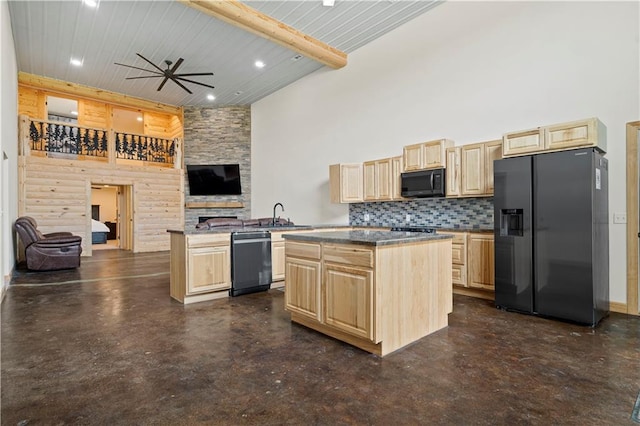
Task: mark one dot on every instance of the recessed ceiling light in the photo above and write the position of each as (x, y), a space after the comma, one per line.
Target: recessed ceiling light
(76, 62)
(91, 3)
(74, 112)
(139, 118)
(211, 97)
(259, 64)
(328, 3)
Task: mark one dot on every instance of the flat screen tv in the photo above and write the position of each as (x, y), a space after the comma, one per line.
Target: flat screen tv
(214, 179)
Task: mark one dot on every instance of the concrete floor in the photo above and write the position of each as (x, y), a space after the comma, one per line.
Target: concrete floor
(106, 345)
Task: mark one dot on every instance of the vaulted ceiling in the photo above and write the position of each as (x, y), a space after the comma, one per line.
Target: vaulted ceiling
(48, 34)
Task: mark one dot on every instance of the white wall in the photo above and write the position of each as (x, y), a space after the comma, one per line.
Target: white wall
(468, 71)
(8, 144)
(106, 198)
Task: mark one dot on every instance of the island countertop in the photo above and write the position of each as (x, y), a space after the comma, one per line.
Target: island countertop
(365, 237)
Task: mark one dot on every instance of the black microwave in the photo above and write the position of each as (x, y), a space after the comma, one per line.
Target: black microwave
(423, 183)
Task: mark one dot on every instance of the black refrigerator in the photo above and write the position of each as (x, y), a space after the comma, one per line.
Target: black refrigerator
(552, 235)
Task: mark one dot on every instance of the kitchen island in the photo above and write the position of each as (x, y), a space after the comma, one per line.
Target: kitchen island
(377, 290)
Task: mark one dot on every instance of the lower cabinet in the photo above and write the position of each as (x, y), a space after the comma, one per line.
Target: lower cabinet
(472, 260)
(200, 267)
(277, 260)
(481, 261)
(303, 287)
(349, 299)
(209, 269)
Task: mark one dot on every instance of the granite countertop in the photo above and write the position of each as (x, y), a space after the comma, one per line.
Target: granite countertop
(369, 238)
(229, 229)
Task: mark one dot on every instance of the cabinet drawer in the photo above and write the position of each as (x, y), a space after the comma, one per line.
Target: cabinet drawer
(348, 254)
(458, 237)
(459, 254)
(459, 275)
(298, 249)
(524, 142)
(208, 240)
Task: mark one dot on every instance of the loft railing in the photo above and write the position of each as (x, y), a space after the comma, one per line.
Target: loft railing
(54, 139)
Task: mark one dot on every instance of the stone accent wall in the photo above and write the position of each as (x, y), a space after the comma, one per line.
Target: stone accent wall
(218, 136)
(437, 212)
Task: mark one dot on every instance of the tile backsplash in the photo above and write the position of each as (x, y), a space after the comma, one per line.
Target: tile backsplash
(437, 212)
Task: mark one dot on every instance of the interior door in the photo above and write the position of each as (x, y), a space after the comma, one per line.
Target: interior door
(125, 216)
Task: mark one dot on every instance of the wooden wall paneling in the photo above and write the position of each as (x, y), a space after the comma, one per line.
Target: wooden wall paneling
(157, 125)
(93, 114)
(31, 102)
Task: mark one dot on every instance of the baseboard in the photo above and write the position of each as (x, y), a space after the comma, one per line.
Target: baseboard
(480, 294)
(618, 307)
(5, 286)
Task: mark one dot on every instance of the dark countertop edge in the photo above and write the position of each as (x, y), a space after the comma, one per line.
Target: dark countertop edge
(227, 229)
(367, 238)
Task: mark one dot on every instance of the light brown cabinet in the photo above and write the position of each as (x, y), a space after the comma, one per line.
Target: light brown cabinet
(481, 261)
(352, 292)
(377, 180)
(557, 137)
(452, 185)
(472, 260)
(200, 267)
(396, 181)
(345, 183)
(470, 169)
(277, 261)
(426, 155)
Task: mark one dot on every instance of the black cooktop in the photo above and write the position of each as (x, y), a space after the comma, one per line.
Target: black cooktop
(424, 229)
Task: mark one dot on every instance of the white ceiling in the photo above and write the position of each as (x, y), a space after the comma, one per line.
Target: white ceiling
(48, 33)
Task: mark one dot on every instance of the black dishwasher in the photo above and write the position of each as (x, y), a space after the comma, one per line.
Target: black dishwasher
(250, 262)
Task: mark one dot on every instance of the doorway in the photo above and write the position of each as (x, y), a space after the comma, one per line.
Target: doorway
(111, 217)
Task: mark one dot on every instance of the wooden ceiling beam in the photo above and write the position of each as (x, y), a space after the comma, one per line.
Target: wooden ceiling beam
(242, 16)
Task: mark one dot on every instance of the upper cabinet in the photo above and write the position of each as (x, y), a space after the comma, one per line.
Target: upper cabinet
(426, 155)
(396, 181)
(470, 169)
(377, 180)
(345, 183)
(558, 137)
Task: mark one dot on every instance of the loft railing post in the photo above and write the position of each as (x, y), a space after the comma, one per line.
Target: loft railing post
(23, 135)
(177, 155)
(111, 147)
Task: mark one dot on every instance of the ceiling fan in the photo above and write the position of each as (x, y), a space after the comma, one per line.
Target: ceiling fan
(168, 74)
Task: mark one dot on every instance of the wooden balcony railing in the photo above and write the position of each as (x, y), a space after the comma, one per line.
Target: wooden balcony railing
(67, 140)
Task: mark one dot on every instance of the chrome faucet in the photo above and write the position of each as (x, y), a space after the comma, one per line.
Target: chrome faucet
(273, 222)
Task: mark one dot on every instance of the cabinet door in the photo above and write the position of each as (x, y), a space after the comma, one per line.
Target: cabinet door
(576, 134)
(302, 287)
(480, 260)
(383, 179)
(345, 183)
(522, 143)
(412, 157)
(209, 269)
(472, 163)
(492, 152)
(434, 155)
(453, 172)
(369, 173)
(277, 260)
(349, 299)
(396, 181)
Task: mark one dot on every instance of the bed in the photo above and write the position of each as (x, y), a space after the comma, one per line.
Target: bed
(99, 232)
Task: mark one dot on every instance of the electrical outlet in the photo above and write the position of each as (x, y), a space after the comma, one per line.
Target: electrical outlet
(619, 218)
(407, 218)
(366, 217)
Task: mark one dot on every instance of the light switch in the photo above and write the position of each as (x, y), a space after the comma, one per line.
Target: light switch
(619, 218)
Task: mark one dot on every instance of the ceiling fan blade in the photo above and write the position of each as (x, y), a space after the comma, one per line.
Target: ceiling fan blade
(162, 84)
(192, 81)
(138, 68)
(144, 76)
(193, 74)
(157, 67)
(182, 85)
(176, 65)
